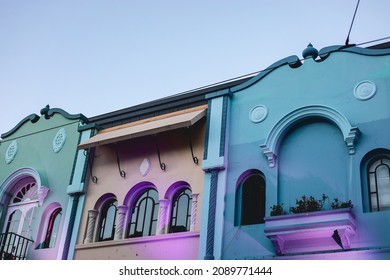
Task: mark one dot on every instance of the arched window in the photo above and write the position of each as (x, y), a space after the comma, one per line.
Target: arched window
(21, 210)
(143, 220)
(14, 220)
(106, 227)
(378, 174)
(181, 211)
(53, 228)
(250, 199)
(49, 229)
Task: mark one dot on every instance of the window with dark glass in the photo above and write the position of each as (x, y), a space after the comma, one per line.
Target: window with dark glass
(181, 211)
(107, 220)
(379, 184)
(144, 215)
(251, 194)
(53, 228)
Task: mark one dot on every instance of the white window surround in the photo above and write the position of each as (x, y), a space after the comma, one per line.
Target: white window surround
(20, 174)
(349, 132)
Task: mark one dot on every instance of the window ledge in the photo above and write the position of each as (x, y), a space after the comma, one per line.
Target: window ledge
(138, 240)
(308, 232)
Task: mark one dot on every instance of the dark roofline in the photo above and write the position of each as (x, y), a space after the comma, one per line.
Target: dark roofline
(199, 96)
(161, 106)
(385, 45)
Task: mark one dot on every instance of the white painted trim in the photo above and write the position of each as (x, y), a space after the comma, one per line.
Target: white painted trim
(349, 132)
(20, 174)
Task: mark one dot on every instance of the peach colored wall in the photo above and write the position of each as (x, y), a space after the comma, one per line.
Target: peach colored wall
(175, 153)
(161, 247)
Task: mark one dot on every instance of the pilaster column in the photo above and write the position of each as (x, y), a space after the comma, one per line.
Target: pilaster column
(120, 221)
(211, 215)
(163, 217)
(194, 209)
(92, 215)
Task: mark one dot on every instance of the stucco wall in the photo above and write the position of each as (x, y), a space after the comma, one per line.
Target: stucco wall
(35, 151)
(176, 154)
(305, 147)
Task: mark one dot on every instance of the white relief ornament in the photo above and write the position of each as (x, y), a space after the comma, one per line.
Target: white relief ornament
(145, 167)
(11, 152)
(258, 113)
(59, 140)
(364, 90)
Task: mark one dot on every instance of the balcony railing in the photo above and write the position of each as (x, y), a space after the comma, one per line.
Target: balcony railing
(13, 246)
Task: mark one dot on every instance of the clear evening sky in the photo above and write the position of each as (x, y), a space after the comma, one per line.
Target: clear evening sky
(97, 56)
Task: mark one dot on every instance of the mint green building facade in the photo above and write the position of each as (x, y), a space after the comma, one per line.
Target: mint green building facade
(42, 185)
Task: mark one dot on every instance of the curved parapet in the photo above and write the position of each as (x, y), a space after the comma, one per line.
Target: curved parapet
(309, 53)
(47, 112)
(33, 118)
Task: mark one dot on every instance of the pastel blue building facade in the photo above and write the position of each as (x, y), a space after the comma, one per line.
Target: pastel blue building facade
(303, 127)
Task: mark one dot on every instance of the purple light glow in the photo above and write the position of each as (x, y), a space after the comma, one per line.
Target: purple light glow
(311, 232)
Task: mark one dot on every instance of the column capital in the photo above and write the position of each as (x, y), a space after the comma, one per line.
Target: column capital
(122, 209)
(92, 213)
(194, 197)
(164, 203)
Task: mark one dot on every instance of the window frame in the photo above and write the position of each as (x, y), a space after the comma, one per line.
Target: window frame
(101, 226)
(179, 194)
(376, 193)
(240, 211)
(135, 218)
(55, 214)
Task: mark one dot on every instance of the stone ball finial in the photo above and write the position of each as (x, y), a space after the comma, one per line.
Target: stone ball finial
(310, 51)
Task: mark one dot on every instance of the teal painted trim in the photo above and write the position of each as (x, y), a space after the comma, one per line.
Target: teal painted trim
(223, 127)
(325, 52)
(207, 132)
(294, 62)
(48, 113)
(218, 94)
(90, 153)
(33, 118)
(70, 226)
(211, 215)
(89, 126)
(75, 161)
(66, 115)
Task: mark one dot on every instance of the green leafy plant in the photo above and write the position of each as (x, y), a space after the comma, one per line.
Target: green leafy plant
(277, 210)
(336, 204)
(308, 204)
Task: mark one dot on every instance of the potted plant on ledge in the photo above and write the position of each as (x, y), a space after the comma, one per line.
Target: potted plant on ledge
(309, 228)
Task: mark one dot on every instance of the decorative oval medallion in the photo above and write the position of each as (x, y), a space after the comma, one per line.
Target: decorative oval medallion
(11, 152)
(145, 167)
(364, 90)
(258, 113)
(59, 140)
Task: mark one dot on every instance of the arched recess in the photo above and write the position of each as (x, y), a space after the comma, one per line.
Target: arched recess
(350, 133)
(312, 160)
